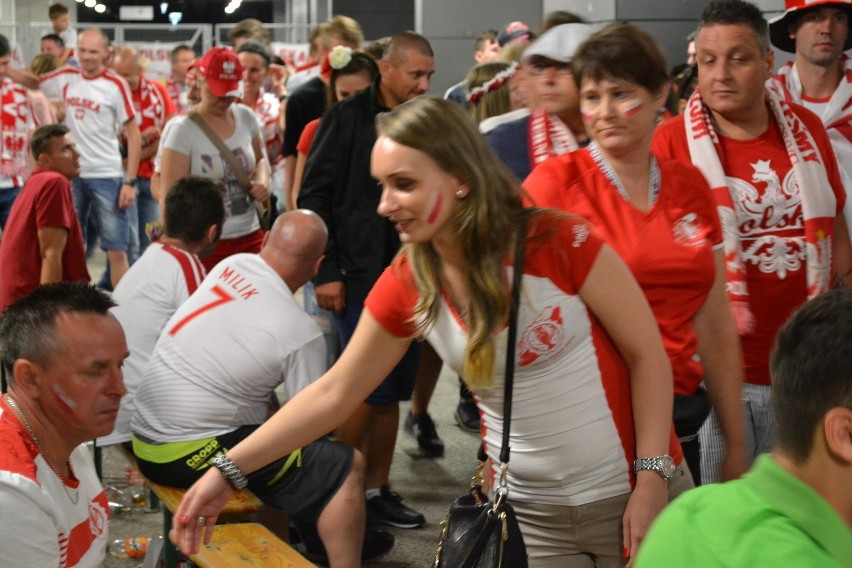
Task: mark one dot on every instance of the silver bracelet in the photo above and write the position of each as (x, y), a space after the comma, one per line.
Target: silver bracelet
(230, 471)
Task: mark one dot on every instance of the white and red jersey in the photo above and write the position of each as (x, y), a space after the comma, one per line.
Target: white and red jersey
(224, 351)
(267, 110)
(669, 248)
(153, 107)
(177, 91)
(96, 109)
(17, 121)
(771, 227)
(572, 432)
(47, 520)
(147, 296)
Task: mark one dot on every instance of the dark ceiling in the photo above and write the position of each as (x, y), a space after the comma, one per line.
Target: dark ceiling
(194, 11)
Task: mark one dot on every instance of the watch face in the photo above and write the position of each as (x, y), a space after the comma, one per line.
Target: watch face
(669, 466)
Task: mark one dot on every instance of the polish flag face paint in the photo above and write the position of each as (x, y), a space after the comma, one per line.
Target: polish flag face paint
(436, 209)
(65, 402)
(632, 106)
(588, 115)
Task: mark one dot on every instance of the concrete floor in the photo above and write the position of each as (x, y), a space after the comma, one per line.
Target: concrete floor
(427, 485)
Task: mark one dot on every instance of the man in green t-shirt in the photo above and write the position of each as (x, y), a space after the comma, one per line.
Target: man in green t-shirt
(794, 508)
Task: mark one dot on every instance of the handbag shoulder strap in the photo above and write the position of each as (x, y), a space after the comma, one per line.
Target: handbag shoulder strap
(224, 151)
(517, 274)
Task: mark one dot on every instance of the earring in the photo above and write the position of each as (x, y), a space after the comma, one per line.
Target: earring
(460, 193)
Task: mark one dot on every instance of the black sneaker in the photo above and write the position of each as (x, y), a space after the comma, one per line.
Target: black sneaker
(387, 508)
(467, 415)
(376, 544)
(423, 430)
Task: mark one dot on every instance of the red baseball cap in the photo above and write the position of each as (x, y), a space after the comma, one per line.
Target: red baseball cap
(221, 68)
(779, 27)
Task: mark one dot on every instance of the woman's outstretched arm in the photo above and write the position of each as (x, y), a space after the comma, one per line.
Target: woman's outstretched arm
(320, 408)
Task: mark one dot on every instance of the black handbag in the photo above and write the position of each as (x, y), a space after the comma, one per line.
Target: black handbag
(690, 412)
(477, 532)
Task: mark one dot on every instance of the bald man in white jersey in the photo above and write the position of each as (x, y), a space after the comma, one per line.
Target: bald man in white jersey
(214, 368)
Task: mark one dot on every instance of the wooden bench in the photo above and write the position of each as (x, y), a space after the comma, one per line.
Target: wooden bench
(247, 545)
(240, 506)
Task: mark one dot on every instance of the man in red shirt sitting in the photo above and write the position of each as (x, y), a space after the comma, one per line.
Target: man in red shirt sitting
(43, 241)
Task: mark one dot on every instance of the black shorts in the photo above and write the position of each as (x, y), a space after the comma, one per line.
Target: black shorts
(301, 484)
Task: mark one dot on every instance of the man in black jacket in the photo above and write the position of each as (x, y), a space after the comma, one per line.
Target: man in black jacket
(338, 186)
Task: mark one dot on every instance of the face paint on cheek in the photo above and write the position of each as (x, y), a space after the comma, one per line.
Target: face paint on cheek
(436, 209)
(631, 107)
(587, 113)
(64, 400)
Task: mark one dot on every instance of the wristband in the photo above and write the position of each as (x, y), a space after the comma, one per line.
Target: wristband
(130, 181)
(230, 471)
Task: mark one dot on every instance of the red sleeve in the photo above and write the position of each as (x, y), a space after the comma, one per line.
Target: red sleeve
(669, 141)
(307, 137)
(393, 298)
(562, 248)
(54, 206)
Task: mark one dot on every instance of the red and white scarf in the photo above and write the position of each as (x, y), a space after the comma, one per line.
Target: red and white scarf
(818, 202)
(548, 136)
(16, 124)
(837, 118)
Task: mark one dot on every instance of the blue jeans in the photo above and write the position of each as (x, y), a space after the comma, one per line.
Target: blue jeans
(7, 199)
(148, 211)
(399, 384)
(100, 195)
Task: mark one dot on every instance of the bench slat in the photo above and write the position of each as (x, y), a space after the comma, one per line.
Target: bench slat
(247, 545)
(241, 502)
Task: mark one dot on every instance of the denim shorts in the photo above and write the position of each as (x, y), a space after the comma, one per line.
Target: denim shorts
(399, 384)
(101, 195)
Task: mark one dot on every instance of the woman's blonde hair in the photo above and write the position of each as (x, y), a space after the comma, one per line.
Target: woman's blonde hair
(496, 100)
(485, 222)
(43, 63)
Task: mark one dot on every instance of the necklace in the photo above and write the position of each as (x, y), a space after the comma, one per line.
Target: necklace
(14, 406)
(654, 186)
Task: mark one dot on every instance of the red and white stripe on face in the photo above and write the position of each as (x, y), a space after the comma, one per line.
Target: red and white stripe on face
(437, 206)
(631, 107)
(628, 108)
(65, 401)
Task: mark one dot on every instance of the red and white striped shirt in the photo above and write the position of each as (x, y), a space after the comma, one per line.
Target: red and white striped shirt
(45, 520)
(153, 107)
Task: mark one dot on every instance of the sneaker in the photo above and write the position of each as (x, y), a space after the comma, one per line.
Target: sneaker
(376, 545)
(387, 508)
(423, 430)
(467, 415)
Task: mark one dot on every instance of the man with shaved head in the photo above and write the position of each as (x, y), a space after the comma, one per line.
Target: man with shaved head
(338, 185)
(214, 370)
